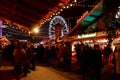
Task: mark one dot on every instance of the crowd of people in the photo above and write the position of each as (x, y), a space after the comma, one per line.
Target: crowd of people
(21, 55)
(91, 60)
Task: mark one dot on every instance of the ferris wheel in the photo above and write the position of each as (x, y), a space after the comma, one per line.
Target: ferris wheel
(57, 20)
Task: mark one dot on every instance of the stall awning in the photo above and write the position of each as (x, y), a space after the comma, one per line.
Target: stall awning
(92, 16)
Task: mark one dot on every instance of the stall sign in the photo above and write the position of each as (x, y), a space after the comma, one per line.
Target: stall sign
(86, 35)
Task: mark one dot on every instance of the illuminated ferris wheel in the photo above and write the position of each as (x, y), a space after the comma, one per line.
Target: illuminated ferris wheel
(52, 30)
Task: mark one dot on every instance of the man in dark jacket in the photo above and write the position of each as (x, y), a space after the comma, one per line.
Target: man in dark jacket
(96, 62)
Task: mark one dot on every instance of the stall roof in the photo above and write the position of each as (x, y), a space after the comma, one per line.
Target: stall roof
(92, 16)
(95, 13)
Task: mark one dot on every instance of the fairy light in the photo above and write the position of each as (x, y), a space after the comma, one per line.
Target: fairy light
(64, 7)
(67, 7)
(36, 30)
(61, 9)
(71, 5)
(58, 12)
(75, 3)
(55, 13)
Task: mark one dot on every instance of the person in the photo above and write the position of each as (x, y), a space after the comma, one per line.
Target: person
(67, 55)
(117, 63)
(1, 55)
(85, 60)
(96, 63)
(20, 60)
(32, 57)
(106, 53)
(78, 51)
(59, 52)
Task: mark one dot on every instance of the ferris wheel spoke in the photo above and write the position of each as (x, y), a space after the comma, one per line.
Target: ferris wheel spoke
(65, 29)
(53, 28)
(52, 31)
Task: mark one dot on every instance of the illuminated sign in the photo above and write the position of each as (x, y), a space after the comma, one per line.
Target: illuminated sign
(86, 35)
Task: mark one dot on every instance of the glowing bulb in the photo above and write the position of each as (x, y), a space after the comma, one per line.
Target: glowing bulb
(71, 5)
(67, 6)
(75, 1)
(61, 9)
(58, 12)
(63, 6)
(36, 30)
(3, 26)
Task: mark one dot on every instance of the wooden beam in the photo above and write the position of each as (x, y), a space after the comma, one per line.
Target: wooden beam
(22, 7)
(16, 20)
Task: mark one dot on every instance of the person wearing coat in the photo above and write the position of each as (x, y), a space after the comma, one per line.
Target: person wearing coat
(20, 60)
(117, 62)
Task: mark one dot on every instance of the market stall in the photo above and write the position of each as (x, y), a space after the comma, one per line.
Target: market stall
(4, 41)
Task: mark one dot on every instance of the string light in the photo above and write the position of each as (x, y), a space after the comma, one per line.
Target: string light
(64, 7)
(36, 30)
(71, 5)
(67, 6)
(14, 33)
(61, 9)
(58, 12)
(75, 3)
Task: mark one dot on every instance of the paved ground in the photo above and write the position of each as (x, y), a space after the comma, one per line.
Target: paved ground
(43, 72)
